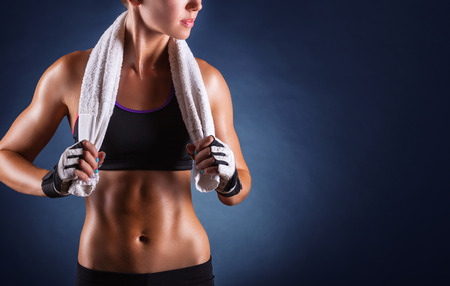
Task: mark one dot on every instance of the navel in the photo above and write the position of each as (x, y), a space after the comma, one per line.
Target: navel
(143, 239)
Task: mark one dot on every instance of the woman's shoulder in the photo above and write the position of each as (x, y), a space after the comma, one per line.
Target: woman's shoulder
(70, 67)
(208, 71)
(61, 82)
(215, 84)
(76, 57)
(67, 70)
(63, 78)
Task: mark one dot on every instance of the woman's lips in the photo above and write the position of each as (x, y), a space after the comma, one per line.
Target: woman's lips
(188, 22)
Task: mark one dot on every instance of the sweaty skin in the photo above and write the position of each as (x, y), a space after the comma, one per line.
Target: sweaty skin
(136, 221)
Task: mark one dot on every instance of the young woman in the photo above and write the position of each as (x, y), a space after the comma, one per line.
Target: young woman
(140, 226)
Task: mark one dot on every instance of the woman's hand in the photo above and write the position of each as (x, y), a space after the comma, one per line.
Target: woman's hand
(79, 161)
(201, 154)
(89, 161)
(212, 156)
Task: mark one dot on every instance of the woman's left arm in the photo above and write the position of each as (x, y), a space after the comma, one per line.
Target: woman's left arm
(222, 112)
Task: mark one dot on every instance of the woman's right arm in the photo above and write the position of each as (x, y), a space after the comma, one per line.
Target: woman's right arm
(33, 129)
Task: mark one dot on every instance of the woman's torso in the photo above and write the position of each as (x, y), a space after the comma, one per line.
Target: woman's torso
(138, 221)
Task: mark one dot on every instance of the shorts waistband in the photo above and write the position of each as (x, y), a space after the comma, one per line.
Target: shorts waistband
(171, 277)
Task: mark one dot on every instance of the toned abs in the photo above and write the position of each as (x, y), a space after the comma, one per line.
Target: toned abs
(142, 222)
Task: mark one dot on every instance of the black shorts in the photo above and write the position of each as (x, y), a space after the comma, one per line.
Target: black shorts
(198, 275)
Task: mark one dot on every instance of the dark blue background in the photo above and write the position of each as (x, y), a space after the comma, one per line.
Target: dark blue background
(341, 108)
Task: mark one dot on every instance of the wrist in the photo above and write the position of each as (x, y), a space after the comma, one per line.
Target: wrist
(231, 187)
(53, 186)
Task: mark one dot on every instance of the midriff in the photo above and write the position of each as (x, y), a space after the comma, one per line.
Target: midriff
(142, 222)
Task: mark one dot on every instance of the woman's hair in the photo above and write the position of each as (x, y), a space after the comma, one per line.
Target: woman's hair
(125, 2)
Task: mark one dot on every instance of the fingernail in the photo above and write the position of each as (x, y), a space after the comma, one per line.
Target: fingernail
(93, 175)
(96, 171)
(96, 159)
(201, 172)
(195, 152)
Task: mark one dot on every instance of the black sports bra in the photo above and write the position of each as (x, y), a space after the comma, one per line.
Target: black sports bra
(146, 139)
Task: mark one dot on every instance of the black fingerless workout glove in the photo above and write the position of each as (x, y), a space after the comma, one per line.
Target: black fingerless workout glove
(55, 183)
(229, 184)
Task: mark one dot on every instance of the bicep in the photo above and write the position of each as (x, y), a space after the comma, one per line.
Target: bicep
(222, 112)
(35, 126)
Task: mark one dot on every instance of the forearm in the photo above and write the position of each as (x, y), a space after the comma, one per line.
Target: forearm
(20, 174)
(246, 181)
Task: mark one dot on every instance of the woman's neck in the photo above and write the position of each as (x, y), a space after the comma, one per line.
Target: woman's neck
(145, 50)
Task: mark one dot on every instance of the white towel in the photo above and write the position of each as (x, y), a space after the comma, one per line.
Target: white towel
(99, 91)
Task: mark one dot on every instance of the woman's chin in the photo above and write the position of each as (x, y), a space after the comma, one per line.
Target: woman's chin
(181, 35)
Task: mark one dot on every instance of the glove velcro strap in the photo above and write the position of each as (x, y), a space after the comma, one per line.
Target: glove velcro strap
(233, 187)
(51, 185)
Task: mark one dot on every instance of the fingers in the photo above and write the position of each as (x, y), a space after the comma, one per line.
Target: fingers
(205, 142)
(202, 156)
(201, 151)
(91, 160)
(208, 166)
(85, 172)
(88, 146)
(190, 149)
(210, 170)
(88, 165)
(101, 158)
